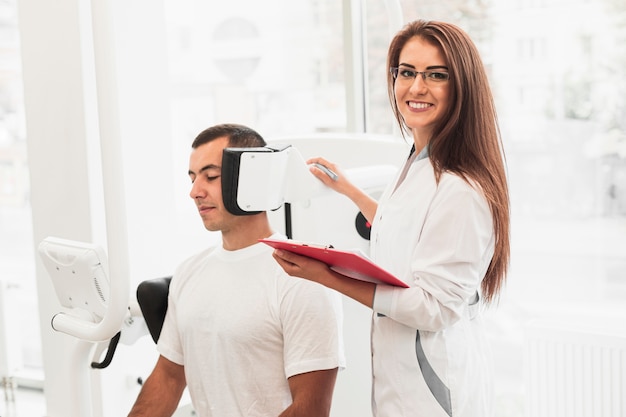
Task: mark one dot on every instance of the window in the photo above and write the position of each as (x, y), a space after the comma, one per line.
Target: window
(17, 270)
(276, 65)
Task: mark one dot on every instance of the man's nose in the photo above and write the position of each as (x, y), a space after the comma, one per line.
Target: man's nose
(197, 191)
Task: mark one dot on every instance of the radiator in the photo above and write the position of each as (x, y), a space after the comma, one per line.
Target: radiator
(575, 370)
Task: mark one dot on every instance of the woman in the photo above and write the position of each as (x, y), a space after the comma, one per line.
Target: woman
(442, 227)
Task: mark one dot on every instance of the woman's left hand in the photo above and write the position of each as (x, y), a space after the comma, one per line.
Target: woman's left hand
(301, 266)
(313, 270)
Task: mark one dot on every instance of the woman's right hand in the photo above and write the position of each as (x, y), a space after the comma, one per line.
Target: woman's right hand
(366, 204)
(340, 184)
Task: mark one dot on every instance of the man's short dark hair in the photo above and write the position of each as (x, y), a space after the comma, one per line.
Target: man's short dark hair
(239, 136)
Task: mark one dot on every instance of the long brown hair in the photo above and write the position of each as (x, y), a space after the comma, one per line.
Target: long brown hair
(467, 140)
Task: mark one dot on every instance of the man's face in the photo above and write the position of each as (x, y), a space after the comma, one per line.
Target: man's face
(205, 170)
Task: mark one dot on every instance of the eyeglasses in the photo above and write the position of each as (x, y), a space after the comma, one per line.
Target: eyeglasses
(430, 77)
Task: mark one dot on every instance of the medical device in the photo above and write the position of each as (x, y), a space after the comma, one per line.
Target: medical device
(80, 275)
(277, 179)
(264, 178)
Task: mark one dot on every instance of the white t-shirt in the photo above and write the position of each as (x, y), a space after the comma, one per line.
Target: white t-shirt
(240, 326)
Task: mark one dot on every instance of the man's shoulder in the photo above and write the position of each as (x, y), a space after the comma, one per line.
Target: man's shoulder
(198, 256)
(193, 262)
(308, 293)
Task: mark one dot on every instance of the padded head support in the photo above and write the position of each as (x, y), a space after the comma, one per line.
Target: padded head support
(231, 161)
(152, 299)
(252, 179)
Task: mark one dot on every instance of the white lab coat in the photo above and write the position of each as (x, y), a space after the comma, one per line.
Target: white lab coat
(430, 357)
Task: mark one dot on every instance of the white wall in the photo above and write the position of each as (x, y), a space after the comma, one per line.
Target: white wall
(56, 117)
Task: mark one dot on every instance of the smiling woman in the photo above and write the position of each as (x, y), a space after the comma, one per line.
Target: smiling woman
(441, 227)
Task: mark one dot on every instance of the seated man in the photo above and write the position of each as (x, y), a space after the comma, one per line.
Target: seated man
(246, 339)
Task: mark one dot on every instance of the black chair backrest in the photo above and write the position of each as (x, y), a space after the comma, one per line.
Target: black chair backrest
(152, 299)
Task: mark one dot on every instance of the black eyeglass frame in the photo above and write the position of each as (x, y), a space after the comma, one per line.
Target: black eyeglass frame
(427, 76)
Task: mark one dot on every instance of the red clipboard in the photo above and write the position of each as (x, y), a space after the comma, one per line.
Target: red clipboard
(349, 263)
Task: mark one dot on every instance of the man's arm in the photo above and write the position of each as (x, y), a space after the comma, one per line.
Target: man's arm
(160, 394)
(312, 394)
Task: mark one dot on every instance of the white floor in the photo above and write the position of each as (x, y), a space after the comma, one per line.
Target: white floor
(27, 402)
(22, 402)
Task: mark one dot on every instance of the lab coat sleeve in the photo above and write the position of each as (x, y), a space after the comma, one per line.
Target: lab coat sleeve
(448, 262)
